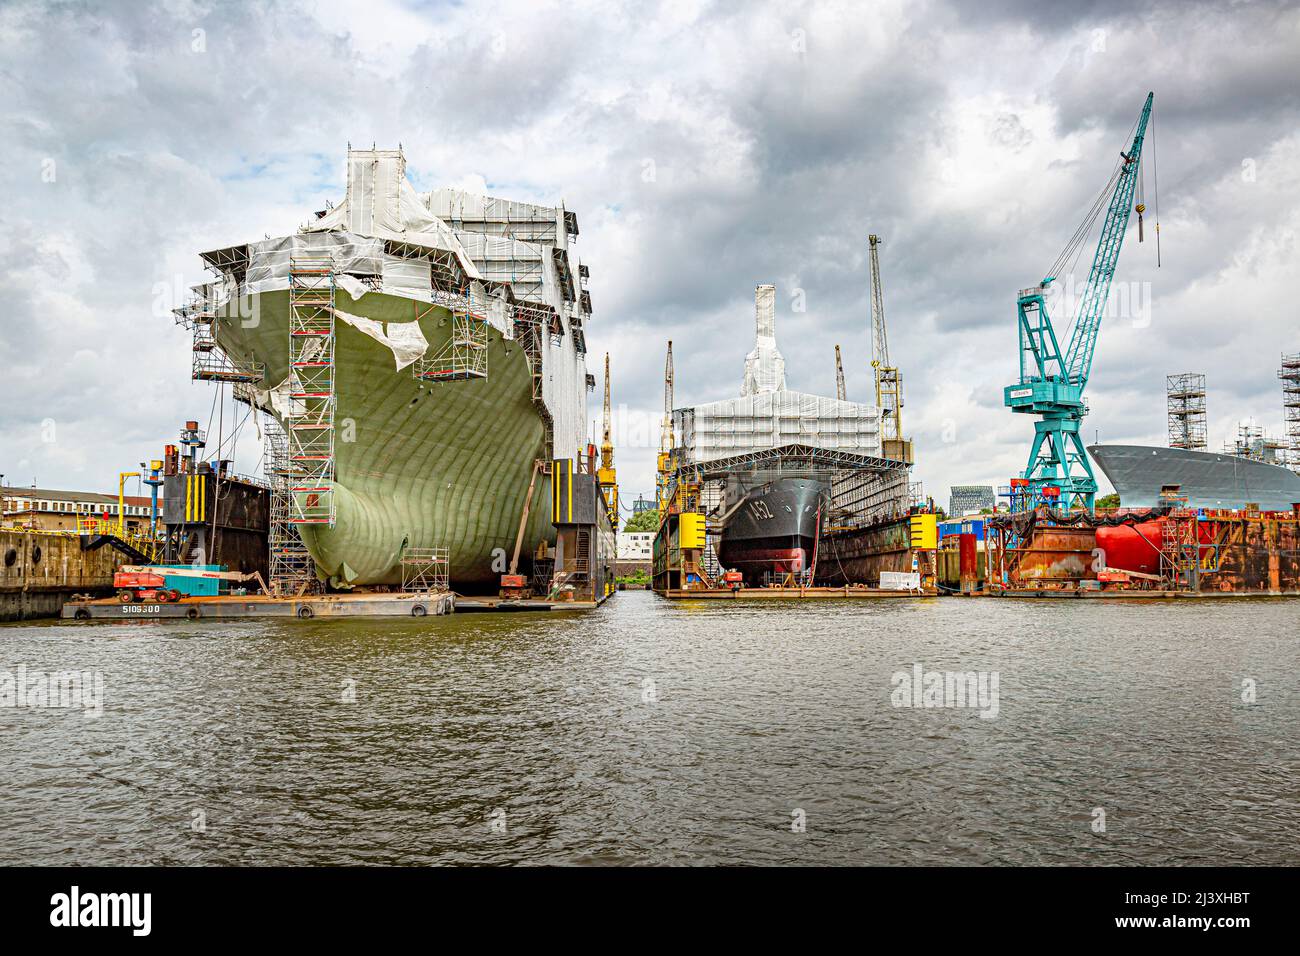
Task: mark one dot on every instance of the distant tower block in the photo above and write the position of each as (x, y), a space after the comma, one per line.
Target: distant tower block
(1185, 394)
(1290, 376)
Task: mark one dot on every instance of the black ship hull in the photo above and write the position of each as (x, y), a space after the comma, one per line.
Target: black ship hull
(771, 529)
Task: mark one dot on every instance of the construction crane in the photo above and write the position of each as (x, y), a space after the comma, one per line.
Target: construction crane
(605, 474)
(1052, 382)
(889, 383)
(666, 436)
(840, 392)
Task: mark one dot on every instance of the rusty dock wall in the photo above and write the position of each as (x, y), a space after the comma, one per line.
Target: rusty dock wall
(1238, 553)
(40, 571)
(858, 555)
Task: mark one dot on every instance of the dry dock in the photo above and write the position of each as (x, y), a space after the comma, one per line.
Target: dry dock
(796, 594)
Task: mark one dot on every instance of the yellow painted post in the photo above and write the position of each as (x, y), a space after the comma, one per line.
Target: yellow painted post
(121, 497)
(924, 531)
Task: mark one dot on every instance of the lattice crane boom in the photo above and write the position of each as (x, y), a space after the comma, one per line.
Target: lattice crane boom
(879, 336)
(1092, 305)
(606, 477)
(606, 443)
(889, 381)
(664, 468)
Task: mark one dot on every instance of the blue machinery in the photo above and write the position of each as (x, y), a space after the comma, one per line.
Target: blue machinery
(1051, 383)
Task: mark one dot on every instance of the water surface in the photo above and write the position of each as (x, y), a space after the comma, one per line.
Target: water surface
(669, 733)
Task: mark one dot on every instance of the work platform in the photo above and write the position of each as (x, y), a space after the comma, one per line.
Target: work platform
(792, 594)
(227, 606)
(312, 606)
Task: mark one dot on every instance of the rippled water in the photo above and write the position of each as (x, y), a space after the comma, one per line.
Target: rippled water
(658, 732)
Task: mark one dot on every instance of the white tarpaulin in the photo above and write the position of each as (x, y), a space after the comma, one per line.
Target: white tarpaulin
(736, 426)
(381, 203)
(764, 366)
(268, 261)
(408, 277)
(404, 338)
(900, 581)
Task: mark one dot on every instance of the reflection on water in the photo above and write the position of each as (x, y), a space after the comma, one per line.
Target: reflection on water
(657, 732)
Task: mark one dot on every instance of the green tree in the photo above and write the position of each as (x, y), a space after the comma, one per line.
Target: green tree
(643, 521)
(1107, 501)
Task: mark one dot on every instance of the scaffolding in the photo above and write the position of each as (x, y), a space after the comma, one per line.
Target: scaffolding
(425, 570)
(1253, 442)
(310, 422)
(210, 363)
(1179, 553)
(1289, 373)
(1185, 398)
(292, 571)
(465, 356)
(1189, 548)
(529, 321)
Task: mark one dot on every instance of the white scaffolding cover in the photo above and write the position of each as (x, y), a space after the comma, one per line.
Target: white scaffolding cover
(768, 415)
(764, 367)
(381, 203)
(736, 426)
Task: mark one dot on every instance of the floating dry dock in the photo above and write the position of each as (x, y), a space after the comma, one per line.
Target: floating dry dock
(1147, 553)
(796, 594)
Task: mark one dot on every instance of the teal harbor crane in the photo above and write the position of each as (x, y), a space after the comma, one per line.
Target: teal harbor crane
(1051, 383)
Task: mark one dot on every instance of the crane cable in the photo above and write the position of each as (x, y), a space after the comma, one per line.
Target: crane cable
(1072, 247)
(1155, 185)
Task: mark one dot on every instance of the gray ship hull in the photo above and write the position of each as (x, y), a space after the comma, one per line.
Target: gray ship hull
(772, 529)
(1208, 480)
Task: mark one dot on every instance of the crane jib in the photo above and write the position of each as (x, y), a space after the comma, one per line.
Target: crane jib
(1053, 390)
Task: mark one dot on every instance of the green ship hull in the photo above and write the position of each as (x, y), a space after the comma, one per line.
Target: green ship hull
(417, 465)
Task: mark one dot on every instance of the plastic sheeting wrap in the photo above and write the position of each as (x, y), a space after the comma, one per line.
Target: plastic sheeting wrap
(564, 390)
(375, 191)
(488, 214)
(764, 366)
(381, 203)
(497, 312)
(408, 277)
(405, 339)
(501, 259)
(268, 261)
(736, 426)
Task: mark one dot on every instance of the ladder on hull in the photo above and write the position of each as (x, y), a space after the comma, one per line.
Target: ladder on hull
(292, 570)
(310, 422)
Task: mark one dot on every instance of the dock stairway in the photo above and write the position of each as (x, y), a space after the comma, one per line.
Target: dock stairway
(93, 542)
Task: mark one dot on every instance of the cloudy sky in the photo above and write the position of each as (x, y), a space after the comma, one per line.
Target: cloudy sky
(705, 148)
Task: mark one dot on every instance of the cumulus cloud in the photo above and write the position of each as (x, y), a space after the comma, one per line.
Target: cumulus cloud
(706, 148)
